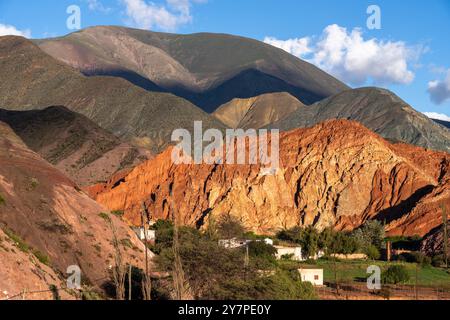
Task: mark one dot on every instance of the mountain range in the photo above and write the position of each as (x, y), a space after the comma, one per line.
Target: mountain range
(86, 125)
(206, 69)
(35, 80)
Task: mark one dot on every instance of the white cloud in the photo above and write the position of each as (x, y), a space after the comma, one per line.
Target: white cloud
(353, 59)
(439, 90)
(11, 30)
(298, 46)
(437, 116)
(167, 17)
(97, 5)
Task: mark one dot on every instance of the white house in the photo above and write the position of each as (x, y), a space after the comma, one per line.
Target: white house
(232, 243)
(140, 232)
(236, 243)
(315, 276)
(295, 252)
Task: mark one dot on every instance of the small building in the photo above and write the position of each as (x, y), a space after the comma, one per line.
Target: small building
(295, 253)
(315, 276)
(232, 243)
(237, 243)
(140, 232)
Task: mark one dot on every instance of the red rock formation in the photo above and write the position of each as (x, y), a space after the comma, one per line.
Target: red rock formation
(337, 173)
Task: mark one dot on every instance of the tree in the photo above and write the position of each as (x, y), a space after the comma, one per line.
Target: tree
(445, 234)
(372, 252)
(230, 227)
(310, 241)
(370, 233)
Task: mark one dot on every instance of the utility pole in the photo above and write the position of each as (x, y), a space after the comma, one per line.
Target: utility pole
(445, 234)
(246, 262)
(147, 282)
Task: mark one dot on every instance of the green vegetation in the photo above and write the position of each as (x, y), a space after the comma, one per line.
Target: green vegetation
(44, 259)
(34, 183)
(312, 241)
(24, 247)
(356, 271)
(55, 226)
(416, 257)
(118, 213)
(104, 216)
(395, 274)
(2, 200)
(17, 240)
(217, 273)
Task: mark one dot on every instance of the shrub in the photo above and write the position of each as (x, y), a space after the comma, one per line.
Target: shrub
(395, 275)
(261, 249)
(34, 183)
(372, 252)
(41, 257)
(438, 261)
(2, 200)
(283, 285)
(104, 216)
(371, 233)
(230, 227)
(417, 257)
(117, 213)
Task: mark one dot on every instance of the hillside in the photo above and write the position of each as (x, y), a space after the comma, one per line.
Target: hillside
(34, 80)
(51, 222)
(207, 69)
(75, 145)
(257, 112)
(337, 173)
(379, 110)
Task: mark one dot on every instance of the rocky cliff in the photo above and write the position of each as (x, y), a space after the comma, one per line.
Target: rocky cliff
(337, 173)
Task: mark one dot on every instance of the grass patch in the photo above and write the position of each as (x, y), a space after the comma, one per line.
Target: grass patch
(357, 271)
(118, 213)
(44, 259)
(24, 247)
(18, 241)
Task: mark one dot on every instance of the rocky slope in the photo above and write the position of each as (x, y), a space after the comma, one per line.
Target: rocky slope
(207, 69)
(337, 173)
(31, 79)
(257, 112)
(49, 218)
(75, 145)
(379, 110)
(23, 274)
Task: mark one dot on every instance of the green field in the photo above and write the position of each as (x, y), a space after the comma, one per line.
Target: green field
(348, 271)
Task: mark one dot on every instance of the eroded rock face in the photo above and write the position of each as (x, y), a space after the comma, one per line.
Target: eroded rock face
(337, 173)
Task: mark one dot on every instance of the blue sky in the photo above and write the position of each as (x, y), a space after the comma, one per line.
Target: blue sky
(409, 55)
